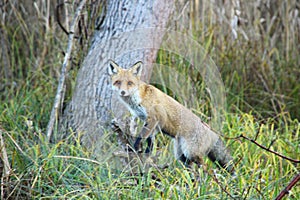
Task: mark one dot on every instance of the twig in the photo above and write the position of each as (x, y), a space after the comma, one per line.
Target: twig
(267, 149)
(58, 19)
(288, 188)
(57, 100)
(294, 180)
(220, 185)
(215, 178)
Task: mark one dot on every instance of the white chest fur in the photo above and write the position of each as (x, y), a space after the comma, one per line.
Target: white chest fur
(133, 103)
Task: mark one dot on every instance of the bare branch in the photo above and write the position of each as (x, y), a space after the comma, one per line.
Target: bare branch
(59, 22)
(294, 180)
(289, 187)
(267, 149)
(61, 83)
(58, 18)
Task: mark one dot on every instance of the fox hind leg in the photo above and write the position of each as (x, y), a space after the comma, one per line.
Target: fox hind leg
(221, 155)
(178, 152)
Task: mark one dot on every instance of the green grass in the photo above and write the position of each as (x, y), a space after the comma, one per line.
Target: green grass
(40, 172)
(66, 170)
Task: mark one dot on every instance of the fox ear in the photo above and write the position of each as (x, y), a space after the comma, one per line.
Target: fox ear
(113, 68)
(137, 69)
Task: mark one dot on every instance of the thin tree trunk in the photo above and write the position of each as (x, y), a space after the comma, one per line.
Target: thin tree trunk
(125, 37)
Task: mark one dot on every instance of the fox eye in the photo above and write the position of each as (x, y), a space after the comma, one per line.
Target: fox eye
(117, 83)
(130, 83)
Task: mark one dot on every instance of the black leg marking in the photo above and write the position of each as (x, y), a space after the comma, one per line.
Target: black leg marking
(212, 156)
(185, 160)
(149, 145)
(137, 143)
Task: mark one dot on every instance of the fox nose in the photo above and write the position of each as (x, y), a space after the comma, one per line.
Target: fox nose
(122, 93)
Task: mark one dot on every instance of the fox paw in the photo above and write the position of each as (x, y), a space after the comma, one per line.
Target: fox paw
(115, 125)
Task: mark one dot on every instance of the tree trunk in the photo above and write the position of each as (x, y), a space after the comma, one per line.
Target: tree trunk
(125, 37)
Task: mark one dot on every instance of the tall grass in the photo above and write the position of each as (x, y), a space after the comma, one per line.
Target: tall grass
(66, 169)
(260, 72)
(260, 67)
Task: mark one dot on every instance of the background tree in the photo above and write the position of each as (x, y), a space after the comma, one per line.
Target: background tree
(90, 110)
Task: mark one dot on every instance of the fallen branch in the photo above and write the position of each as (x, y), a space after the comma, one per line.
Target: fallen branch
(288, 188)
(61, 83)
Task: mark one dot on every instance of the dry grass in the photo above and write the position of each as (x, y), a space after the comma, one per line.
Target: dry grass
(259, 62)
(256, 46)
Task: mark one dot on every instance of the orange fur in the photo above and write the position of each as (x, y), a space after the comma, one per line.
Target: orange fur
(193, 138)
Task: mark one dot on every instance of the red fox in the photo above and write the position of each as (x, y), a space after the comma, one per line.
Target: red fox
(160, 112)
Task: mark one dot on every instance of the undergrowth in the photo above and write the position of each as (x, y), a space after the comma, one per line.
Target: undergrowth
(66, 170)
(261, 78)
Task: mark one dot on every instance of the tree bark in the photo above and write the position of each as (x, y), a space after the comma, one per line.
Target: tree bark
(125, 35)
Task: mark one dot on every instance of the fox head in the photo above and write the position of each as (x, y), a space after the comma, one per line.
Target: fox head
(125, 81)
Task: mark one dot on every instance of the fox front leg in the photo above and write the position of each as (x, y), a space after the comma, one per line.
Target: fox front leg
(137, 144)
(149, 144)
(146, 133)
